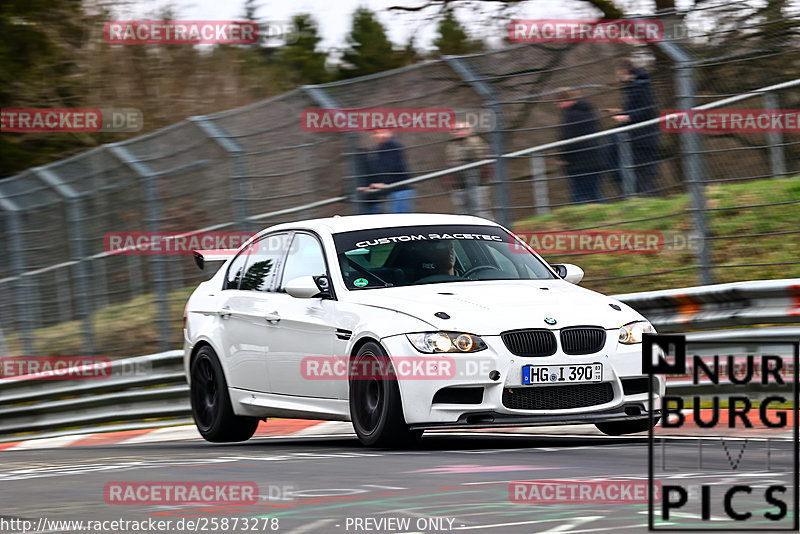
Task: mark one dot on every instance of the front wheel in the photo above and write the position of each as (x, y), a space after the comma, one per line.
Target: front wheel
(376, 407)
(618, 428)
(211, 403)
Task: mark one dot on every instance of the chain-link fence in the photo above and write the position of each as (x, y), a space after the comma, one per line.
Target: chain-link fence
(729, 199)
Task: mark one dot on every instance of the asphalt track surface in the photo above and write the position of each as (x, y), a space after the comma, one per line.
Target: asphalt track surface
(451, 482)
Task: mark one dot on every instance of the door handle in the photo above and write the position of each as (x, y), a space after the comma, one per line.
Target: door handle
(273, 317)
(225, 314)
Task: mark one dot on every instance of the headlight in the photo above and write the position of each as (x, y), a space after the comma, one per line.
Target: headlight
(631, 333)
(430, 342)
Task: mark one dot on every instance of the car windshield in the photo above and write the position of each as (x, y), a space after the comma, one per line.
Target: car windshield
(412, 255)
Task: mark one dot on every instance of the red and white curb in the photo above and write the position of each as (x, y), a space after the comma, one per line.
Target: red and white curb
(289, 428)
(274, 428)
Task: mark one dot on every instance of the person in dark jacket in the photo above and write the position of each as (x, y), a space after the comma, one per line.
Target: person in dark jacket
(585, 161)
(388, 167)
(368, 197)
(639, 106)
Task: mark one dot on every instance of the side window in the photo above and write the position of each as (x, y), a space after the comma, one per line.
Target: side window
(261, 261)
(305, 259)
(235, 271)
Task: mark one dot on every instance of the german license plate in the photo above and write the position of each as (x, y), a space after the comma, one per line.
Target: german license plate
(562, 374)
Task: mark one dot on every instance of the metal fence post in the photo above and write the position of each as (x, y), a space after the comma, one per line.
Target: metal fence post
(694, 164)
(214, 132)
(692, 155)
(777, 161)
(78, 249)
(541, 194)
(626, 170)
(325, 101)
(152, 224)
(21, 291)
(485, 91)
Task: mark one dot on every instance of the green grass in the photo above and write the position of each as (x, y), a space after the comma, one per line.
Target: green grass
(774, 249)
(121, 330)
(129, 329)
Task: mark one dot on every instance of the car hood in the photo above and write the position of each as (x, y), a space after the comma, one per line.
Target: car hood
(492, 307)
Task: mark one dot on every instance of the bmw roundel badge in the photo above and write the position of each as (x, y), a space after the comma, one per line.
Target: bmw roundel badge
(549, 320)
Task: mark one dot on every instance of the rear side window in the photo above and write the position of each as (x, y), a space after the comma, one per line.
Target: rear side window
(235, 271)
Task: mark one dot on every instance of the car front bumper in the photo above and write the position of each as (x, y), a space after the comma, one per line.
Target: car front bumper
(495, 370)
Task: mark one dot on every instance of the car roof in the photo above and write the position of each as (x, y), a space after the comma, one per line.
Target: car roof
(349, 223)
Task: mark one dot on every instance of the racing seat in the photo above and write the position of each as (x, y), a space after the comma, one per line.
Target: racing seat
(412, 260)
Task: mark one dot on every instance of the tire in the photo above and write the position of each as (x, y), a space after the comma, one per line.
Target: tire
(211, 403)
(619, 428)
(376, 407)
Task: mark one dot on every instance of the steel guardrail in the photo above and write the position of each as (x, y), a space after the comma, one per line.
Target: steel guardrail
(734, 304)
(151, 391)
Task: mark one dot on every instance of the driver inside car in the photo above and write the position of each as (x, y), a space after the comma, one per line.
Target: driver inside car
(443, 257)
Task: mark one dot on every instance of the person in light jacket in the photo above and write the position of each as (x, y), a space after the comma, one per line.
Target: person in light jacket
(469, 189)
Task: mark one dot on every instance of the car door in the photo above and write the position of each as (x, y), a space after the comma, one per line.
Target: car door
(306, 327)
(244, 307)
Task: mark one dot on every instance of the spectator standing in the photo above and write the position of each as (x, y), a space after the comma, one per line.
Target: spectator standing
(367, 195)
(388, 166)
(585, 160)
(639, 106)
(469, 189)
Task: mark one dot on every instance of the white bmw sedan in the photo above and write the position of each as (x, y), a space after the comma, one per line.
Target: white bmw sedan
(402, 323)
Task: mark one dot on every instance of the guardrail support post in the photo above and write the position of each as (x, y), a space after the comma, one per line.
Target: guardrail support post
(485, 91)
(78, 249)
(214, 132)
(777, 161)
(151, 222)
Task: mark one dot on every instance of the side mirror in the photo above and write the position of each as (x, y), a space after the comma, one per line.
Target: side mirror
(570, 273)
(306, 287)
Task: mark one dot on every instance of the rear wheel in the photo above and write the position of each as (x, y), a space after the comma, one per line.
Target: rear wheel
(211, 403)
(376, 407)
(618, 428)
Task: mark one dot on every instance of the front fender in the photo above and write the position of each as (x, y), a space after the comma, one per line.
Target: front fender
(379, 323)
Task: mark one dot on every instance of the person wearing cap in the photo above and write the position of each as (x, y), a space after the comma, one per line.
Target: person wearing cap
(469, 189)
